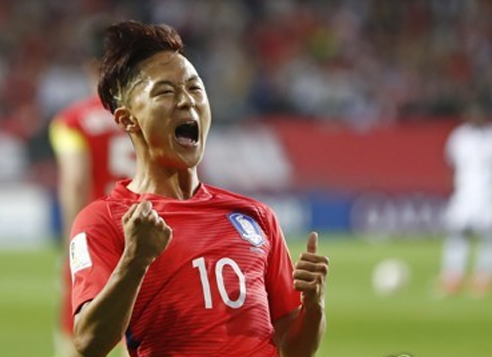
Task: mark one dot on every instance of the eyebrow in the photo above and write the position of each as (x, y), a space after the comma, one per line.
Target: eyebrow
(170, 83)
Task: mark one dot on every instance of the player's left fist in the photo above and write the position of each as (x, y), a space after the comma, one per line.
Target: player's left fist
(310, 274)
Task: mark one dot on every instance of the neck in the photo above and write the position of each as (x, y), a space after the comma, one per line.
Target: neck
(179, 184)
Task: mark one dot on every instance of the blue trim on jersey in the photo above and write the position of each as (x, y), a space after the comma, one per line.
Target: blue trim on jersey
(131, 343)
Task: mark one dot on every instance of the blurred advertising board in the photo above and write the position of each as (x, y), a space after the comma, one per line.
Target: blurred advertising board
(26, 216)
(318, 175)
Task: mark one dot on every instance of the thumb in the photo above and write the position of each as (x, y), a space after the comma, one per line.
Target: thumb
(312, 243)
(146, 207)
(126, 217)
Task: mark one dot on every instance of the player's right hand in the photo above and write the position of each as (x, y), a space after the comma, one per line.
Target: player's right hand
(146, 233)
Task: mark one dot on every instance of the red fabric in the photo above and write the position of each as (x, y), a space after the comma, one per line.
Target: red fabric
(97, 126)
(170, 317)
(397, 158)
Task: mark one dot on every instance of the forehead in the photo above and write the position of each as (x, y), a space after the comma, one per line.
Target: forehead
(170, 66)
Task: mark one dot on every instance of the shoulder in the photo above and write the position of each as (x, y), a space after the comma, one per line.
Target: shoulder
(460, 130)
(105, 210)
(100, 219)
(243, 204)
(73, 113)
(66, 138)
(239, 199)
(459, 134)
(94, 213)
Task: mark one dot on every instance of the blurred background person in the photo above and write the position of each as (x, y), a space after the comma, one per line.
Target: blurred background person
(469, 154)
(92, 154)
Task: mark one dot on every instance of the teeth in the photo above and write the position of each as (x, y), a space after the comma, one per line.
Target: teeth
(185, 141)
(186, 133)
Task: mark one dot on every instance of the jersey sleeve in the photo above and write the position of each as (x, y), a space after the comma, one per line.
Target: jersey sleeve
(66, 139)
(94, 251)
(282, 297)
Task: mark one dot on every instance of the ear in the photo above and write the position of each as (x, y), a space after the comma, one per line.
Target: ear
(125, 120)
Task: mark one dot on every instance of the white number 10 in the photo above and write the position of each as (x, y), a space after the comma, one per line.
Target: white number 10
(207, 295)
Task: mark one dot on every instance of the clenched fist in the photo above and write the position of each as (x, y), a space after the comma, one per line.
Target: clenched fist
(146, 233)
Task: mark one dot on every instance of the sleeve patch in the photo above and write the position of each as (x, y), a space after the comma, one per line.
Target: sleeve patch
(80, 257)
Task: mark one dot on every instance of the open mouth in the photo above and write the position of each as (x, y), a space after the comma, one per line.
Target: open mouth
(187, 133)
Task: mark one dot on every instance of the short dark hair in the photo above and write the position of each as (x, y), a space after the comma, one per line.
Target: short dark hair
(126, 44)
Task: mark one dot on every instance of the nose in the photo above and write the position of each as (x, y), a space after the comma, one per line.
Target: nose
(185, 99)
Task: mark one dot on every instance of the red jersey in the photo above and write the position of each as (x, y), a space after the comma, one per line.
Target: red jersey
(110, 150)
(215, 291)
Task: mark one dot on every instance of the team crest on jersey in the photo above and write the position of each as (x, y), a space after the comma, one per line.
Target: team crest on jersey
(247, 228)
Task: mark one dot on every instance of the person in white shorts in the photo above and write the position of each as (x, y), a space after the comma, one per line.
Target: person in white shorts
(468, 152)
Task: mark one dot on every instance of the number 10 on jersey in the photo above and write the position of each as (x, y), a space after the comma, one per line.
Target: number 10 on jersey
(219, 267)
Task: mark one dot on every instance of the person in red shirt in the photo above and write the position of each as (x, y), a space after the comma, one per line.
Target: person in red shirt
(177, 266)
(87, 140)
(92, 153)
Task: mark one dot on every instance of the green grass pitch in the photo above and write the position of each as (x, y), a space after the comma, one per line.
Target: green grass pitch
(360, 323)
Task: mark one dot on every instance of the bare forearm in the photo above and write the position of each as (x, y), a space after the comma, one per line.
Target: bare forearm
(74, 183)
(303, 337)
(102, 322)
(305, 330)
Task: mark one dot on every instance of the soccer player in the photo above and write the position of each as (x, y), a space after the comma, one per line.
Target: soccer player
(179, 267)
(469, 153)
(92, 154)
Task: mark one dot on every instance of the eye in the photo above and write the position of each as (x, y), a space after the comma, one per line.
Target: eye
(165, 92)
(195, 88)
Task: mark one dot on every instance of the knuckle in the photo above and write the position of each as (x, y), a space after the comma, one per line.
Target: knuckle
(310, 287)
(301, 285)
(323, 269)
(297, 274)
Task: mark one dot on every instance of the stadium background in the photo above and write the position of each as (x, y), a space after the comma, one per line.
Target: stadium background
(333, 112)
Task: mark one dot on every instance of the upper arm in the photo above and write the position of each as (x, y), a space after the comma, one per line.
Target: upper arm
(72, 151)
(282, 297)
(74, 167)
(74, 172)
(94, 251)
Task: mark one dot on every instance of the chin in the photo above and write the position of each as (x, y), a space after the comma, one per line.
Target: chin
(184, 163)
(193, 163)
